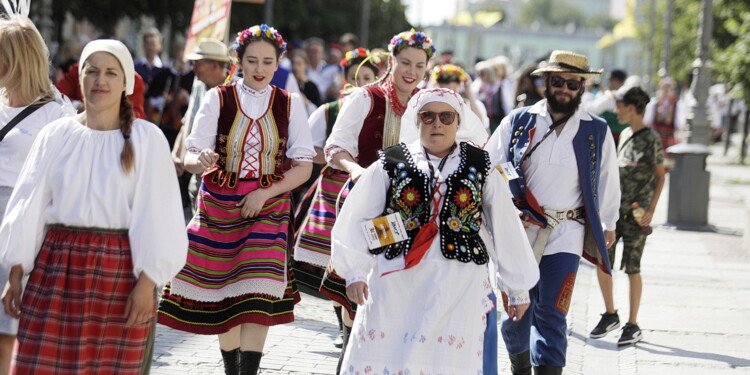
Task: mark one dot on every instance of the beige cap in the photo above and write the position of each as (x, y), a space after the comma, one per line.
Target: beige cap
(209, 49)
(567, 62)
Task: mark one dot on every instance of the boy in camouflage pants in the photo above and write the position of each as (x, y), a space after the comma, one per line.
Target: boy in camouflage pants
(641, 181)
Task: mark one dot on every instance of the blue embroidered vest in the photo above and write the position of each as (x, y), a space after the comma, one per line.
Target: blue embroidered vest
(460, 216)
(587, 145)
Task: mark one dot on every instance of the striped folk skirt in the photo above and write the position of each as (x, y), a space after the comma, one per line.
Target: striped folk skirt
(314, 239)
(73, 307)
(237, 269)
(313, 247)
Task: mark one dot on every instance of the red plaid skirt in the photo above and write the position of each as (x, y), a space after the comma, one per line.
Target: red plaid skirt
(73, 307)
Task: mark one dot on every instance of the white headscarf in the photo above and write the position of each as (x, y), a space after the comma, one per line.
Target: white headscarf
(470, 128)
(116, 49)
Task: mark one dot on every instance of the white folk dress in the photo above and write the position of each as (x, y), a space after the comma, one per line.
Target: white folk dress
(429, 319)
(73, 177)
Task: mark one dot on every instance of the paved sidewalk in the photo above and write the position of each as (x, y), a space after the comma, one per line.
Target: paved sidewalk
(694, 313)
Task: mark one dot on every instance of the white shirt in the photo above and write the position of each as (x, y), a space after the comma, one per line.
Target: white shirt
(507, 244)
(345, 134)
(318, 125)
(16, 144)
(551, 173)
(323, 76)
(73, 177)
(253, 104)
(602, 103)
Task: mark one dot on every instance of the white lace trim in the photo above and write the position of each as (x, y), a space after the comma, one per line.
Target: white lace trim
(263, 286)
(521, 299)
(312, 257)
(245, 89)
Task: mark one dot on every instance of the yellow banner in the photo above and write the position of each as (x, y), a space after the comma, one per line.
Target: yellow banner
(210, 20)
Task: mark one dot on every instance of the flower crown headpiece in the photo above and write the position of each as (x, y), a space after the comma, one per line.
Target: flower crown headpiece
(416, 39)
(260, 31)
(448, 73)
(356, 56)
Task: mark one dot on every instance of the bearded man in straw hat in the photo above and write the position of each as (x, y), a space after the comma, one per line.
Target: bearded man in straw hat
(567, 189)
(211, 62)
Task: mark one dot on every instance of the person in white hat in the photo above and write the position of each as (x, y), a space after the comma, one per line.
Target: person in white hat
(423, 301)
(210, 64)
(567, 190)
(96, 220)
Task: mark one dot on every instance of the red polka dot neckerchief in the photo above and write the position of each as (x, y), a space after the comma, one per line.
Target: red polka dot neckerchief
(396, 105)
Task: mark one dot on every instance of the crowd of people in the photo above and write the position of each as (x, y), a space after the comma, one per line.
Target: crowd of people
(429, 204)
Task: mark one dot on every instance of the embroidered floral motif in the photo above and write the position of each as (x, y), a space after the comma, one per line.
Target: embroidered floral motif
(454, 223)
(410, 196)
(462, 197)
(411, 223)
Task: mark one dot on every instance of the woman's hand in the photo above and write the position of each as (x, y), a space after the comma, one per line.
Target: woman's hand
(516, 311)
(357, 173)
(141, 302)
(252, 203)
(12, 295)
(207, 158)
(358, 292)
(466, 85)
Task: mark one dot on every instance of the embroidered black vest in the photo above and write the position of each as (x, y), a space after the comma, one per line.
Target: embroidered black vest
(460, 216)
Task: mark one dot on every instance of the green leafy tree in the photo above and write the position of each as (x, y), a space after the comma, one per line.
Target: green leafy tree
(732, 58)
(729, 44)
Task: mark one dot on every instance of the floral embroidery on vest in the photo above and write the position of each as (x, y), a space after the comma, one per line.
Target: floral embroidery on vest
(460, 214)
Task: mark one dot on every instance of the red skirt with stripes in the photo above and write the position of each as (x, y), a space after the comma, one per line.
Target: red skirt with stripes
(73, 307)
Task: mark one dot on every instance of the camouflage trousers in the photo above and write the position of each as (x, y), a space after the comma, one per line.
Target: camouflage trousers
(634, 240)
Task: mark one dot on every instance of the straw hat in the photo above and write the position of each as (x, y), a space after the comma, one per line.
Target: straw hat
(567, 62)
(209, 49)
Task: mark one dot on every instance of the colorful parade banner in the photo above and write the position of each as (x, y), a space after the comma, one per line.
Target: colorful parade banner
(210, 20)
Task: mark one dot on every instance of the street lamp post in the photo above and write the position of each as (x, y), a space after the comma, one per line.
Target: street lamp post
(689, 180)
(666, 52)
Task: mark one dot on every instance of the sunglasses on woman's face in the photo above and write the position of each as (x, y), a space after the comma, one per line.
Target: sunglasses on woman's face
(446, 118)
(573, 84)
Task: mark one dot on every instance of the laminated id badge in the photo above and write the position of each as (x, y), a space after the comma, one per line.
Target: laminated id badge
(507, 170)
(384, 230)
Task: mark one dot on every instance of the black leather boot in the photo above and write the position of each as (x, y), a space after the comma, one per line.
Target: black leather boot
(339, 341)
(231, 361)
(347, 332)
(249, 362)
(520, 364)
(547, 370)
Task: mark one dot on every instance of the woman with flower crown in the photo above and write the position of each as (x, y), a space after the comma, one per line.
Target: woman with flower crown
(252, 145)
(370, 120)
(454, 77)
(312, 250)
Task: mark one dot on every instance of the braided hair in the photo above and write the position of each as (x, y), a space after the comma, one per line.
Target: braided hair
(127, 156)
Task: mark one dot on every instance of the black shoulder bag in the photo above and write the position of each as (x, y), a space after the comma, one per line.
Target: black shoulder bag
(19, 117)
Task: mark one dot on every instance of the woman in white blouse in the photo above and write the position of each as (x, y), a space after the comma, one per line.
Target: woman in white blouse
(96, 219)
(423, 300)
(26, 106)
(252, 144)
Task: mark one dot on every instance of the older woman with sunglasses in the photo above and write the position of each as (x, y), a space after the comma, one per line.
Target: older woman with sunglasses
(423, 300)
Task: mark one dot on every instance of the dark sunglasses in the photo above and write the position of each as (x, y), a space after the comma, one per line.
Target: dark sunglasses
(573, 84)
(428, 117)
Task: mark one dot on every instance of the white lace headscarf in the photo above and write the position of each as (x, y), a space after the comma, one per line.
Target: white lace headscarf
(470, 128)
